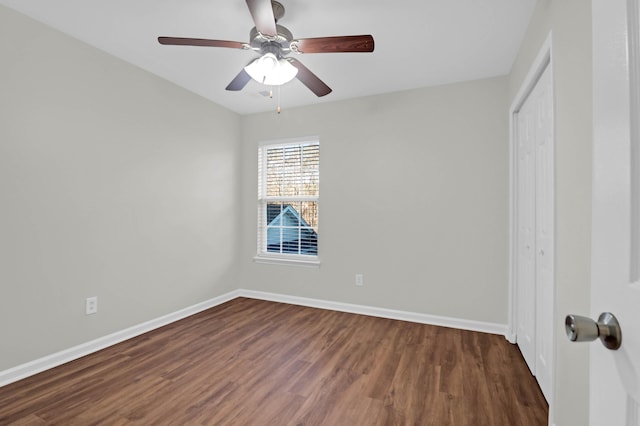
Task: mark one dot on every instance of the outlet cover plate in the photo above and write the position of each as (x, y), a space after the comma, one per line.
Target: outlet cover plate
(91, 305)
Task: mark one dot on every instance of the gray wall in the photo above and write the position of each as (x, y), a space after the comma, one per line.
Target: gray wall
(118, 184)
(113, 183)
(413, 194)
(570, 22)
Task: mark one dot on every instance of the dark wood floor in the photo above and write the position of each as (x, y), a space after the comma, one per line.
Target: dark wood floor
(251, 362)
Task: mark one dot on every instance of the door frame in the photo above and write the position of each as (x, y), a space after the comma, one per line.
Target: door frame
(543, 60)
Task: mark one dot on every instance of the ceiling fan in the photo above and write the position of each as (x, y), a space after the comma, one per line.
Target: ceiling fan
(274, 43)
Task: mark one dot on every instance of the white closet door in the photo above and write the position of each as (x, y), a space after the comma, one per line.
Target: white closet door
(535, 228)
(545, 213)
(526, 269)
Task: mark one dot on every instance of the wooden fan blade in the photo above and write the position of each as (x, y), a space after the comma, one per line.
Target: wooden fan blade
(309, 79)
(181, 41)
(239, 82)
(262, 14)
(357, 43)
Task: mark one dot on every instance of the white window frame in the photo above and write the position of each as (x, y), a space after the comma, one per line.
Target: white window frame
(280, 258)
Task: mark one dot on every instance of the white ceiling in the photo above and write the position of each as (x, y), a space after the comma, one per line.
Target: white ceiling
(418, 43)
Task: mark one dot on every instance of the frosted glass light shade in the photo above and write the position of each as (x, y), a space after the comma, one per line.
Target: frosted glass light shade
(271, 71)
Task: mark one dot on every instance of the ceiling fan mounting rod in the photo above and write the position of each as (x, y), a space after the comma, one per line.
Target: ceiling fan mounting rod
(278, 10)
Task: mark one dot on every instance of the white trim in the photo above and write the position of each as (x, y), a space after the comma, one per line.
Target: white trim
(50, 361)
(290, 260)
(543, 60)
(633, 34)
(537, 68)
(463, 324)
(276, 143)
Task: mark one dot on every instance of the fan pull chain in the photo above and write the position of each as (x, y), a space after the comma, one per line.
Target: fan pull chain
(278, 100)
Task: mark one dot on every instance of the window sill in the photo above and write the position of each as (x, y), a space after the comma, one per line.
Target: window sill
(289, 261)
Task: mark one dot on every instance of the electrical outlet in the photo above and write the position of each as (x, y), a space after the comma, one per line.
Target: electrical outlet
(359, 280)
(91, 305)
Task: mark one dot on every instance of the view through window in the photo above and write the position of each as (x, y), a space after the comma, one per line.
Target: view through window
(288, 192)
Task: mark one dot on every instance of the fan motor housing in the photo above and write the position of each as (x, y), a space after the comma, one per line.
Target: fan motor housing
(263, 44)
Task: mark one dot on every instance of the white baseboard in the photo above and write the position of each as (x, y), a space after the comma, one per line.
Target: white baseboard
(463, 324)
(29, 369)
(50, 361)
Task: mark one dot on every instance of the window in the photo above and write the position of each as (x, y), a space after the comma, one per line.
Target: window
(288, 192)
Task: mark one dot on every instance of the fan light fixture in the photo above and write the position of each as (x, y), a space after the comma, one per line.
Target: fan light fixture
(271, 71)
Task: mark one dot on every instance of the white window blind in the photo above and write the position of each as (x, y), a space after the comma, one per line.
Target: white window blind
(288, 193)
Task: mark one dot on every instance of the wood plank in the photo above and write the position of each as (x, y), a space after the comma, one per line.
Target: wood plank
(255, 362)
